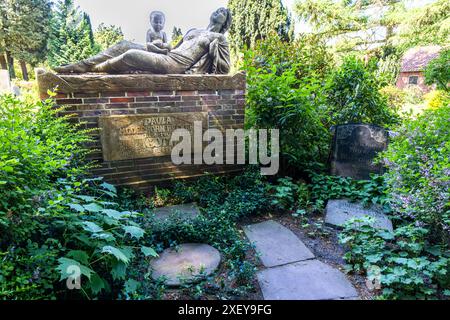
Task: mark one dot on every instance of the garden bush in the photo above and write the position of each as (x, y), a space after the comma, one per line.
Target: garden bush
(51, 217)
(36, 148)
(438, 71)
(353, 95)
(418, 176)
(285, 84)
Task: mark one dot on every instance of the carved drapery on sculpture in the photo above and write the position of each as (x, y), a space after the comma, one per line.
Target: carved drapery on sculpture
(200, 51)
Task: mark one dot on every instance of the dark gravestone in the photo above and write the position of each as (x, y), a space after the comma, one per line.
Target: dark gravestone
(354, 149)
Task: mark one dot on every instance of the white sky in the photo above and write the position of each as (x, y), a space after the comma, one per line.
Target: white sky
(132, 15)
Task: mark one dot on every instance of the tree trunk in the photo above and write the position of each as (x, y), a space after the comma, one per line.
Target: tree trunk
(3, 64)
(23, 66)
(10, 60)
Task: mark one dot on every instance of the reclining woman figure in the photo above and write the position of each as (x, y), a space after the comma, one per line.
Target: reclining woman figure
(200, 51)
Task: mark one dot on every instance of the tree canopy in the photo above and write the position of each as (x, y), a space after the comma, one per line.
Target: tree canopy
(71, 37)
(105, 36)
(24, 31)
(254, 20)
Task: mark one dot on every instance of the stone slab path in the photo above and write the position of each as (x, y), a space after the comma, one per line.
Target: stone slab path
(291, 271)
(338, 212)
(276, 244)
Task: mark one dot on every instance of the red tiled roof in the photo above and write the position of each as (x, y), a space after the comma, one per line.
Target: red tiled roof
(416, 59)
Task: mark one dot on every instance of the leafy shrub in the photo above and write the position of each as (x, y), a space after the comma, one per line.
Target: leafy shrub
(413, 94)
(50, 217)
(418, 178)
(438, 71)
(396, 97)
(436, 98)
(325, 187)
(287, 194)
(285, 93)
(402, 265)
(36, 148)
(353, 95)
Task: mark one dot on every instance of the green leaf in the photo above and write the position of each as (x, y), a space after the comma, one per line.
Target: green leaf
(131, 286)
(97, 284)
(85, 198)
(135, 232)
(66, 268)
(79, 255)
(91, 227)
(116, 253)
(148, 252)
(107, 236)
(93, 207)
(108, 187)
(118, 270)
(76, 207)
(115, 214)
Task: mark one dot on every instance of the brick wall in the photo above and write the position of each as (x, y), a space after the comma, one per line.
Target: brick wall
(403, 81)
(87, 97)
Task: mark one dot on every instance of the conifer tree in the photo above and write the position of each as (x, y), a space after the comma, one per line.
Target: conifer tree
(72, 38)
(254, 20)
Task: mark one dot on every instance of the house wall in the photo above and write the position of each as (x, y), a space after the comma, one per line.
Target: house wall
(403, 80)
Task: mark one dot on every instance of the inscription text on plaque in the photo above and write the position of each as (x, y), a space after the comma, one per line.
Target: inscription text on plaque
(143, 136)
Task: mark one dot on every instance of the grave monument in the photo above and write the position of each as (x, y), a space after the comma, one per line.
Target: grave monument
(354, 149)
(137, 95)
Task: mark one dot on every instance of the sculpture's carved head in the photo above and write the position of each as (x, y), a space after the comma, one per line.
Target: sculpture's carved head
(221, 20)
(157, 20)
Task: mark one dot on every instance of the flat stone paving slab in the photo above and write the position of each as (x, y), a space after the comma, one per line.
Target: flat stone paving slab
(188, 263)
(305, 280)
(338, 212)
(185, 212)
(276, 244)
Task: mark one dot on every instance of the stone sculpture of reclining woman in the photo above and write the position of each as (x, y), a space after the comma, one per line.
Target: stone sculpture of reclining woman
(200, 51)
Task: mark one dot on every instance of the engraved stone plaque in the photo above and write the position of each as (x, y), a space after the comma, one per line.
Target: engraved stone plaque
(354, 149)
(128, 137)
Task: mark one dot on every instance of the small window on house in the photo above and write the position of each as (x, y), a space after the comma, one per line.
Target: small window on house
(413, 80)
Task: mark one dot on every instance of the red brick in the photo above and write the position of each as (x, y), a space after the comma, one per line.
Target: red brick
(96, 100)
(69, 101)
(121, 100)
